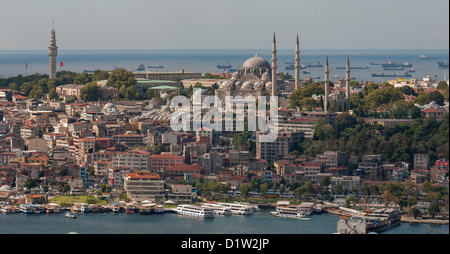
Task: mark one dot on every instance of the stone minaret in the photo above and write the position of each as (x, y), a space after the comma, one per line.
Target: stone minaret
(297, 65)
(326, 81)
(274, 67)
(52, 53)
(347, 84)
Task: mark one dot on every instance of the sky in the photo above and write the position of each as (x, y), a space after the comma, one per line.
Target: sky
(226, 24)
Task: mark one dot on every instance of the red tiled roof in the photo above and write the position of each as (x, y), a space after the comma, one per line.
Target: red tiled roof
(185, 167)
(143, 175)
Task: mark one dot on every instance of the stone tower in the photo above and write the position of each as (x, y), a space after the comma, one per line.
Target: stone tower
(52, 53)
(327, 83)
(347, 84)
(297, 65)
(274, 67)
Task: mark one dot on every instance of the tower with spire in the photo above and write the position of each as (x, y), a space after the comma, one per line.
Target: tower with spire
(327, 83)
(297, 65)
(274, 66)
(52, 53)
(347, 84)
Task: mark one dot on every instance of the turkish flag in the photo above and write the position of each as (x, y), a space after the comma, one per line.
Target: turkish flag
(61, 63)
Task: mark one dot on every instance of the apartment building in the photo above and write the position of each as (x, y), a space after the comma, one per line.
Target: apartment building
(138, 160)
(142, 186)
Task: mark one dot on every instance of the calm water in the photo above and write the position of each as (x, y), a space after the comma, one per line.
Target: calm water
(13, 62)
(107, 223)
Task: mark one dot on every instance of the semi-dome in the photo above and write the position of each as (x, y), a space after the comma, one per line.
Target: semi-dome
(247, 85)
(256, 62)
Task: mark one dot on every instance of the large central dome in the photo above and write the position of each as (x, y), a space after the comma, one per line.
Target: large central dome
(256, 62)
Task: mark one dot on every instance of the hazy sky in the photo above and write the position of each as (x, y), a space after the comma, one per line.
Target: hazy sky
(225, 24)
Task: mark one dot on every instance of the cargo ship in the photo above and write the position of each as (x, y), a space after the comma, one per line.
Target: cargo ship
(395, 75)
(424, 57)
(354, 68)
(156, 67)
(226, 65)
(392, 64)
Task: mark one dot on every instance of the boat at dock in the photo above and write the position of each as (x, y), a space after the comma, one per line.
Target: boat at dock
(218, 209)
(286, 210)
(368, 221)
(239, 209)
(195, 211)
(52, 208)
(7, 209)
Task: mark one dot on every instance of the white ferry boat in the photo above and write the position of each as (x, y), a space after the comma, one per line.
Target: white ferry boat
(195, 211)
(307, 208)
(218, 209)
(289, 212)
(237, 208)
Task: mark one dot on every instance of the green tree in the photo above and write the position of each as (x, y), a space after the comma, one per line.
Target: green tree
(100, 75)
(30, 183)
(82, 78)
(91, 92)
(245, 189)
(131, 93)
(120, 77)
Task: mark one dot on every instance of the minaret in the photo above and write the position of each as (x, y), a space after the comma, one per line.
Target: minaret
(297, 65)
(347, 84)
(274, 67)
(52, 53)
(327, 81)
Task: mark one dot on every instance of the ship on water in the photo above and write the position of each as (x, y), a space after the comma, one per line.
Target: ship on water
(443, 65)
(424, 57)
(392, 64)
(226, 65)
(354, 68)
(156, 67)
(314, 65)
(395, 75)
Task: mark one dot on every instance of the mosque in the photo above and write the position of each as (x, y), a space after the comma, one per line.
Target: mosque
(257, 77)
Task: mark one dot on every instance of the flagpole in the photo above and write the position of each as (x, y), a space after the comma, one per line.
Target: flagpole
(26, 67)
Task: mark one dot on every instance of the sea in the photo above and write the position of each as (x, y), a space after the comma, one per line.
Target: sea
(26, 62)
(260, 223)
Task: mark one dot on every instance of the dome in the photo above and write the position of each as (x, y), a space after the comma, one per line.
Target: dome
(164, 95)
(247, 85)
(256, 62)
(269, 85)
(109, 105)
(6, 188)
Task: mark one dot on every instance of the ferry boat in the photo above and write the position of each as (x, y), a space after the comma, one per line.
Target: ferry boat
(306, 208)
(288, 212)
(6, 209)
(369, 222)
(28, 209)
(147, 209)
(195, 211)
(218, 209)
(52, 208)
(239, 209)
